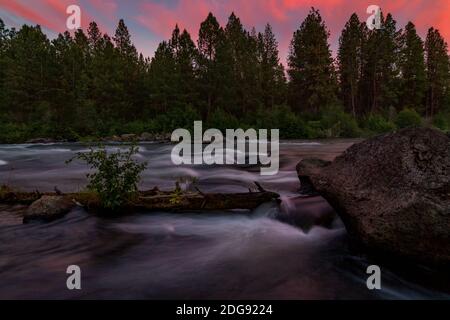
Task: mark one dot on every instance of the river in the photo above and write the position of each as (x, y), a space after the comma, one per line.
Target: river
(274, 252)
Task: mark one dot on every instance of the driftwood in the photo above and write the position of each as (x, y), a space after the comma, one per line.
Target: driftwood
(156, 200)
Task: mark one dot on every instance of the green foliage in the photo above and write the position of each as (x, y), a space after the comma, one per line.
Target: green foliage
(336, 123)
(12, 133)
(408, 118)
(291, 125)
(115, 177)
(223, 120)
(135, 127)
(177, 195)
(442, 121)
(378, 124)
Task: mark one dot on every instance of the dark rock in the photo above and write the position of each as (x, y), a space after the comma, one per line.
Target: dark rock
(307, 212)
(146, 137)
(48, 208)
(311, 166)
(128, 137)
(392, 192)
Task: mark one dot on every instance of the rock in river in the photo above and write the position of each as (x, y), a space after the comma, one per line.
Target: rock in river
(48, 208)
(392, 192)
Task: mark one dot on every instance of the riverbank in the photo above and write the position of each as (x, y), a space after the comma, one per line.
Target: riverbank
(144, 137)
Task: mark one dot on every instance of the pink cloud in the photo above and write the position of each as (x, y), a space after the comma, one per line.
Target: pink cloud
(287, 15)
(50, 14)
(159, 17)
(106, 7)
(25, 11)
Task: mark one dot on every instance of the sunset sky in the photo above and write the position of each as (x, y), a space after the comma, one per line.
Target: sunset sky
(151, 21)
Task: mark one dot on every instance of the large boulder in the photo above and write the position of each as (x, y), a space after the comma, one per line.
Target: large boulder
(48, 208)
(392, 192)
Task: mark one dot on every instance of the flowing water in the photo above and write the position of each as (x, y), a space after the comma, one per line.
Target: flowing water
(274, 252)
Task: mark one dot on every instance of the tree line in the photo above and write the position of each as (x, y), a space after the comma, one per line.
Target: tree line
(87, 84)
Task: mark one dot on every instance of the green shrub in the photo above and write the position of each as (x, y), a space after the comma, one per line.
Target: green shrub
(135, 127)
(442, 121)
(12, 133)
(378, 124)
(336, 123)
(290, 124)
(115, 177)
(222, 120)
(408, 118)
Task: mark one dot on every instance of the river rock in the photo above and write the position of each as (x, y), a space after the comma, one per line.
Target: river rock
(392, 192)
(128, 137)
(306, 212)
(146, 136)
(48, 208)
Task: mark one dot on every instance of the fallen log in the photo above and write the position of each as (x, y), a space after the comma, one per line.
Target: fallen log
(154, 200)
(205, 201)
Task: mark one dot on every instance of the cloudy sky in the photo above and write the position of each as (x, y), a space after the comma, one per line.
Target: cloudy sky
(151, 21)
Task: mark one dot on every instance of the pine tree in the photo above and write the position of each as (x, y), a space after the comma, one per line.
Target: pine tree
(381, 53)
(350, 64)
(311, 71)
(27, 74)
(272, 71)
(235, 46)
(412, 68)
(94, 37)
(211, 35)
(122, 40)
(437, 62)
(4, 43)
(186, 56)
(106, 91)
(64, 81)
(127, 73)
(163, 77)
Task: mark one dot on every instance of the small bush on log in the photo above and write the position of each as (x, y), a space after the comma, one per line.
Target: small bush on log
(116, 175)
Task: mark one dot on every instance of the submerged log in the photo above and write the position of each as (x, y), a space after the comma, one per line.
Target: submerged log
(154, 200)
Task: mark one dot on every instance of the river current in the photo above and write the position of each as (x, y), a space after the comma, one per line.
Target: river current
(273, 252)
